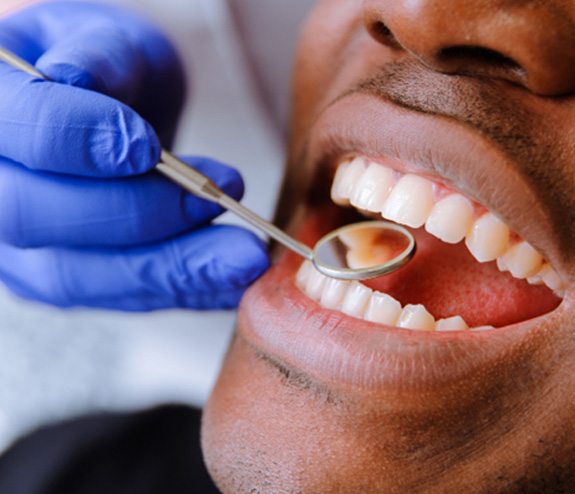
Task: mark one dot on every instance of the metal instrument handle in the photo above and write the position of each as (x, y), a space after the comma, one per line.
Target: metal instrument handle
(200, 185)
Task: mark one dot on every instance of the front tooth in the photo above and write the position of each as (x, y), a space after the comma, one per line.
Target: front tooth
(346, 177)
(356, 299)
(488, 238)
(455, 323)
(315, 283)
(410, 201)
(303, 274)
(483, 328)
(416, 317)
(333, 293)
(338, 187)
(450, 219)
(502, 264)
(537, 279)
(521, 260)
(383, 309)
(373, 188)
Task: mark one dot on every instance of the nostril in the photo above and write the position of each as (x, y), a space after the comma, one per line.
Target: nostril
(475, 59)
(381, 29)
(477, 54)
(381, 33)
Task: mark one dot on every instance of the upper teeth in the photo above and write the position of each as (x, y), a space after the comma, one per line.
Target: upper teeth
(415, 201)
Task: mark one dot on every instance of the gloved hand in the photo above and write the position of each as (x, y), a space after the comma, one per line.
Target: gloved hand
(81, 222)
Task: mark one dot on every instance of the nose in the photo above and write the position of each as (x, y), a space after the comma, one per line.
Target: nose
(528, 43)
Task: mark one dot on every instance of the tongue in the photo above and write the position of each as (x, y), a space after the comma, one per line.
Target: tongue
(448, 281)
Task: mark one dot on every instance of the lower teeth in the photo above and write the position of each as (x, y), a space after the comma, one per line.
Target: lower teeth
(357, 300)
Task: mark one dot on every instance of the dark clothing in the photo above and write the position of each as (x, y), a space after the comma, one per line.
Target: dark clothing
(154, 452)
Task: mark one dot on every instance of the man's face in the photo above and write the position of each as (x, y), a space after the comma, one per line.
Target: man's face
(457, 118)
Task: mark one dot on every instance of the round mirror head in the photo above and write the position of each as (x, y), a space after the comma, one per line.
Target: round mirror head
(364, 250)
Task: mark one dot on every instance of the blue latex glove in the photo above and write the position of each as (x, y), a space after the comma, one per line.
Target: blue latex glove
(81, 222)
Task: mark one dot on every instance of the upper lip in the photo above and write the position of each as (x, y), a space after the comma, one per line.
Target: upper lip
(437, 147)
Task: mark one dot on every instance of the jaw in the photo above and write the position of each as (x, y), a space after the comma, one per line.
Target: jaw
(503, 428)
(484, 412)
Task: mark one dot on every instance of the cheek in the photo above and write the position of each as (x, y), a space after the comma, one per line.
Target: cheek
(322, 43)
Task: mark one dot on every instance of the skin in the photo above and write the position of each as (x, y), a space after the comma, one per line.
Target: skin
(503, 421)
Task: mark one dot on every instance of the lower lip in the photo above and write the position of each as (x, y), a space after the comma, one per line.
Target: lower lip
(343, 352)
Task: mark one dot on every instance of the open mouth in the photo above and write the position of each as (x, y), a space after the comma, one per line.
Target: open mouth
(471, 270)
(487, 257)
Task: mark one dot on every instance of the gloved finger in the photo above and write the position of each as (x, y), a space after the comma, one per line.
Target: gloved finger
(43, 209)
(207, 269)
(97, 55)
(104, 49)
(63, 129)
(100, 57)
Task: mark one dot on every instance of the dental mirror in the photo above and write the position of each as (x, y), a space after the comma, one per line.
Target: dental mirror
(364, 250)
(354, 252)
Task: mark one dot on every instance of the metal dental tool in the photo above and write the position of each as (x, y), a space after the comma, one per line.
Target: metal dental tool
(354, 252)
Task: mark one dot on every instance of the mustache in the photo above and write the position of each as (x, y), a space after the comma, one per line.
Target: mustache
(476, 102)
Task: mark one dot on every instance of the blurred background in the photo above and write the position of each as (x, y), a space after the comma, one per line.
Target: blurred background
(58, 364)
